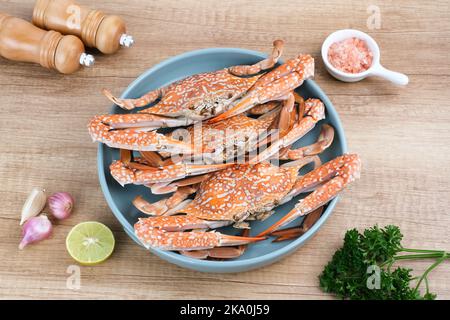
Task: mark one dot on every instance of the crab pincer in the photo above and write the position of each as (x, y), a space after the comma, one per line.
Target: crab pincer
(108, 129)
(274, 85)
(166, 206)
(166, 233)
(328, 181)
(146, 175)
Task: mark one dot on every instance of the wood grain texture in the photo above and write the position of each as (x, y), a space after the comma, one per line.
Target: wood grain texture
(402, 135)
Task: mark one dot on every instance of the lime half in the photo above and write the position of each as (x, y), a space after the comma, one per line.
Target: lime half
(90, 242)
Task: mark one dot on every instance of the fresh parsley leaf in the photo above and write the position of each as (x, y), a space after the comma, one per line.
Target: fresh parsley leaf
(346, 275)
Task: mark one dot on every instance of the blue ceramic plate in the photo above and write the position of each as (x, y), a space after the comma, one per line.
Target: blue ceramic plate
(119, 198)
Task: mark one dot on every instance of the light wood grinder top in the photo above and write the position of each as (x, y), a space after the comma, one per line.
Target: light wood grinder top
(22, 41)
(93, 27)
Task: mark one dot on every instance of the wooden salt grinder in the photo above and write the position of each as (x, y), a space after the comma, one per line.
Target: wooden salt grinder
(21, 41)
(93, 27)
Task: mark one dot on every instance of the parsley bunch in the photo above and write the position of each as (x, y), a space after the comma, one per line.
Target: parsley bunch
(363, 268)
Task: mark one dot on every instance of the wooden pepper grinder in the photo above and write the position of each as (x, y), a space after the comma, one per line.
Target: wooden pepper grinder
(21, 41)
(106, 33)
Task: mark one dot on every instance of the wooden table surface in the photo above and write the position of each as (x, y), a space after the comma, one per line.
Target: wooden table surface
(401, 133)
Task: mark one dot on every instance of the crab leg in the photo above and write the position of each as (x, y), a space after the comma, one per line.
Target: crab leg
(265, 64)
(301, 104)
(135, 138)
(143, 120)
(153, 158)
(295, 232)
(166, 233)
(286, 117)
(129, 104)
(323, 142)
(165, 206)
(300, 163)
(142, 174)
(264, 108)
(273, 86)
(125, 156)
(332, 178)
(282, 122)
(164, 187)
(315, 111)
(218, 252)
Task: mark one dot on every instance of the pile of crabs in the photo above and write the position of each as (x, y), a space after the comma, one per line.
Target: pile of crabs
(226, 130)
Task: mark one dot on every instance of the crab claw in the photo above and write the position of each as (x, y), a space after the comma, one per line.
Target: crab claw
(165, 206)
(166, 233)
(332, 177)
(324, 141)
(141, 174)
(315, 111)
(140, 139)
(274, 85)
(219, 252)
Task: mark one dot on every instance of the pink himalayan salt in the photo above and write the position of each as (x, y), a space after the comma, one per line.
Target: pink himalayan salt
(350, 55)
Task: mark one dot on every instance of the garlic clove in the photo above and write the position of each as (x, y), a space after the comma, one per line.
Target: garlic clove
(35, 229)
(34, 204)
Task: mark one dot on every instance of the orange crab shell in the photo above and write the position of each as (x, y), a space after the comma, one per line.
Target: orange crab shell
(234, 193)
(200, 96)
(225, 133)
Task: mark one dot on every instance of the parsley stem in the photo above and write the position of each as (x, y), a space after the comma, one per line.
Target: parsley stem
(427, 286)
(390, 262)
(430, 268)
(421, 250)
(421, 256)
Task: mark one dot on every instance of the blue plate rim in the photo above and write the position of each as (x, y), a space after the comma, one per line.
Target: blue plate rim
(208, 265)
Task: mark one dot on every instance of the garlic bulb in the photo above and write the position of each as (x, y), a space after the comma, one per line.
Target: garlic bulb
(33, 205)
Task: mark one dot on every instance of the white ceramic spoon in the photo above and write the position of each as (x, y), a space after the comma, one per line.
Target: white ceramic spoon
(375, 70)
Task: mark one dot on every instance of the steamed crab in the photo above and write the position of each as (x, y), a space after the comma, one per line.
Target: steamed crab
(217, 95)
(156, 172)
(245, 191)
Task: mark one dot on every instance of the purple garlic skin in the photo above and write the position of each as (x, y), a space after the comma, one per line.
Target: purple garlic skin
(35, 229)
(60, 205)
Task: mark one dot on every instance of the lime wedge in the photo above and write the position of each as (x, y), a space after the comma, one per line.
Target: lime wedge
(90, 242)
